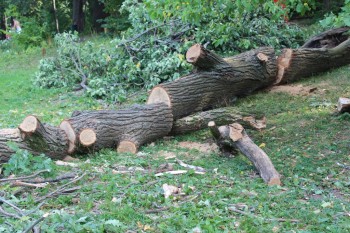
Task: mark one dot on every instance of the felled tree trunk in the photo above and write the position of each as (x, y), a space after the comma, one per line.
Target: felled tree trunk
(295, 64)
(127, 128)
(234, 137)
(343, 105)
(217, 80)
(36, 138)
(221, 116)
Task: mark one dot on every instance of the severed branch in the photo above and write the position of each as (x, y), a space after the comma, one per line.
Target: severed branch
(35, 223)
(23, 177)
(234, 137)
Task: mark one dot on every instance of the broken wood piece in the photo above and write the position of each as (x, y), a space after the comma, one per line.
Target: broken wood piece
(170, 190)
(87, 137)
(343, 105)
(195, 168)
(235, 137)
(327, 39)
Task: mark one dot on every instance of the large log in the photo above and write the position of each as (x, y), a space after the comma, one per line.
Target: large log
(234, 137)
(126, 128)
(295, 64)
(217, 80)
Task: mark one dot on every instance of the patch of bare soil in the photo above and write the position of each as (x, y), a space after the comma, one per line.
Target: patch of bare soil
(201, 147)
(296, 89)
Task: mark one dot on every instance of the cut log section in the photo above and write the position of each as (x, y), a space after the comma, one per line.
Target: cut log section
(295, 64)
(216, 81)
(126, 128)
(221, 116)
(234, 137)
(44, 138)
(343, 105)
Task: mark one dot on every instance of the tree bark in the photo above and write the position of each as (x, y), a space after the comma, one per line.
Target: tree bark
(44, 138)
(234, 137)
(78, 15)
(295, 64)
(221, 116)
(10, 136)
(216, 81)
(127, 129)
(56, 17)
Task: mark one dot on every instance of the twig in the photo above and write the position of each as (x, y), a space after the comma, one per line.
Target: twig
(60, 189)
(24, 177)
(197, 169)
(25, 184)
(263, 219)
(35, 223)
(153, 211)
(56, 179)
(7, 214)
(12, 205)
(343, 166)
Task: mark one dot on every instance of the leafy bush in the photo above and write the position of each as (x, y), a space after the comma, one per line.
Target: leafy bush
(342, 19)
(23, 162)
(152, 50)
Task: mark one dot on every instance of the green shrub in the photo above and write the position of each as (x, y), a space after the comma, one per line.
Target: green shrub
(342, 19)
(152, 50)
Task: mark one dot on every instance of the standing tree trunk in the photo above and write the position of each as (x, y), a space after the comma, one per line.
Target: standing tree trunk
(78, 15)
(98, 14)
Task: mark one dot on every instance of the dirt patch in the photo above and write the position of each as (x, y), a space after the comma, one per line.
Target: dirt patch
(293, 89)
(201, 147)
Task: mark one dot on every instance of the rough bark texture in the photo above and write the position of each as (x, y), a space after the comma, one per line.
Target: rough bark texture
(138, 124)
(343, 105)
(44, 138)
(221, 116)
(295, 64)
(217, 80)
(235, 135)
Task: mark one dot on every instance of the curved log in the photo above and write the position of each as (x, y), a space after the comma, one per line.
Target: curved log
(233, 137)
(327, 39)
(217, 80)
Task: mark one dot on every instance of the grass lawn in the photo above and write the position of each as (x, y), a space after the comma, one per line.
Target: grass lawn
(307, 142)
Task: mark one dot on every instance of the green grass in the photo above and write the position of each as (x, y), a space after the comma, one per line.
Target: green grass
(305, 139)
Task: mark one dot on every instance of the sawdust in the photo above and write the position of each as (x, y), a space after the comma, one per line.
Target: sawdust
(201, 147)
(293, 89)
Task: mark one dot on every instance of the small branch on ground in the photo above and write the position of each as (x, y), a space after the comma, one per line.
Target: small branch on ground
(35, 223)
(59, 189)
(24, 177)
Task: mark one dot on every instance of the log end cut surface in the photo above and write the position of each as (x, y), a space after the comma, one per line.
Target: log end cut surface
(87, 137)
(68, 129)
(193, 53)
(159, 95)
(29, 124)
(127, 147)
